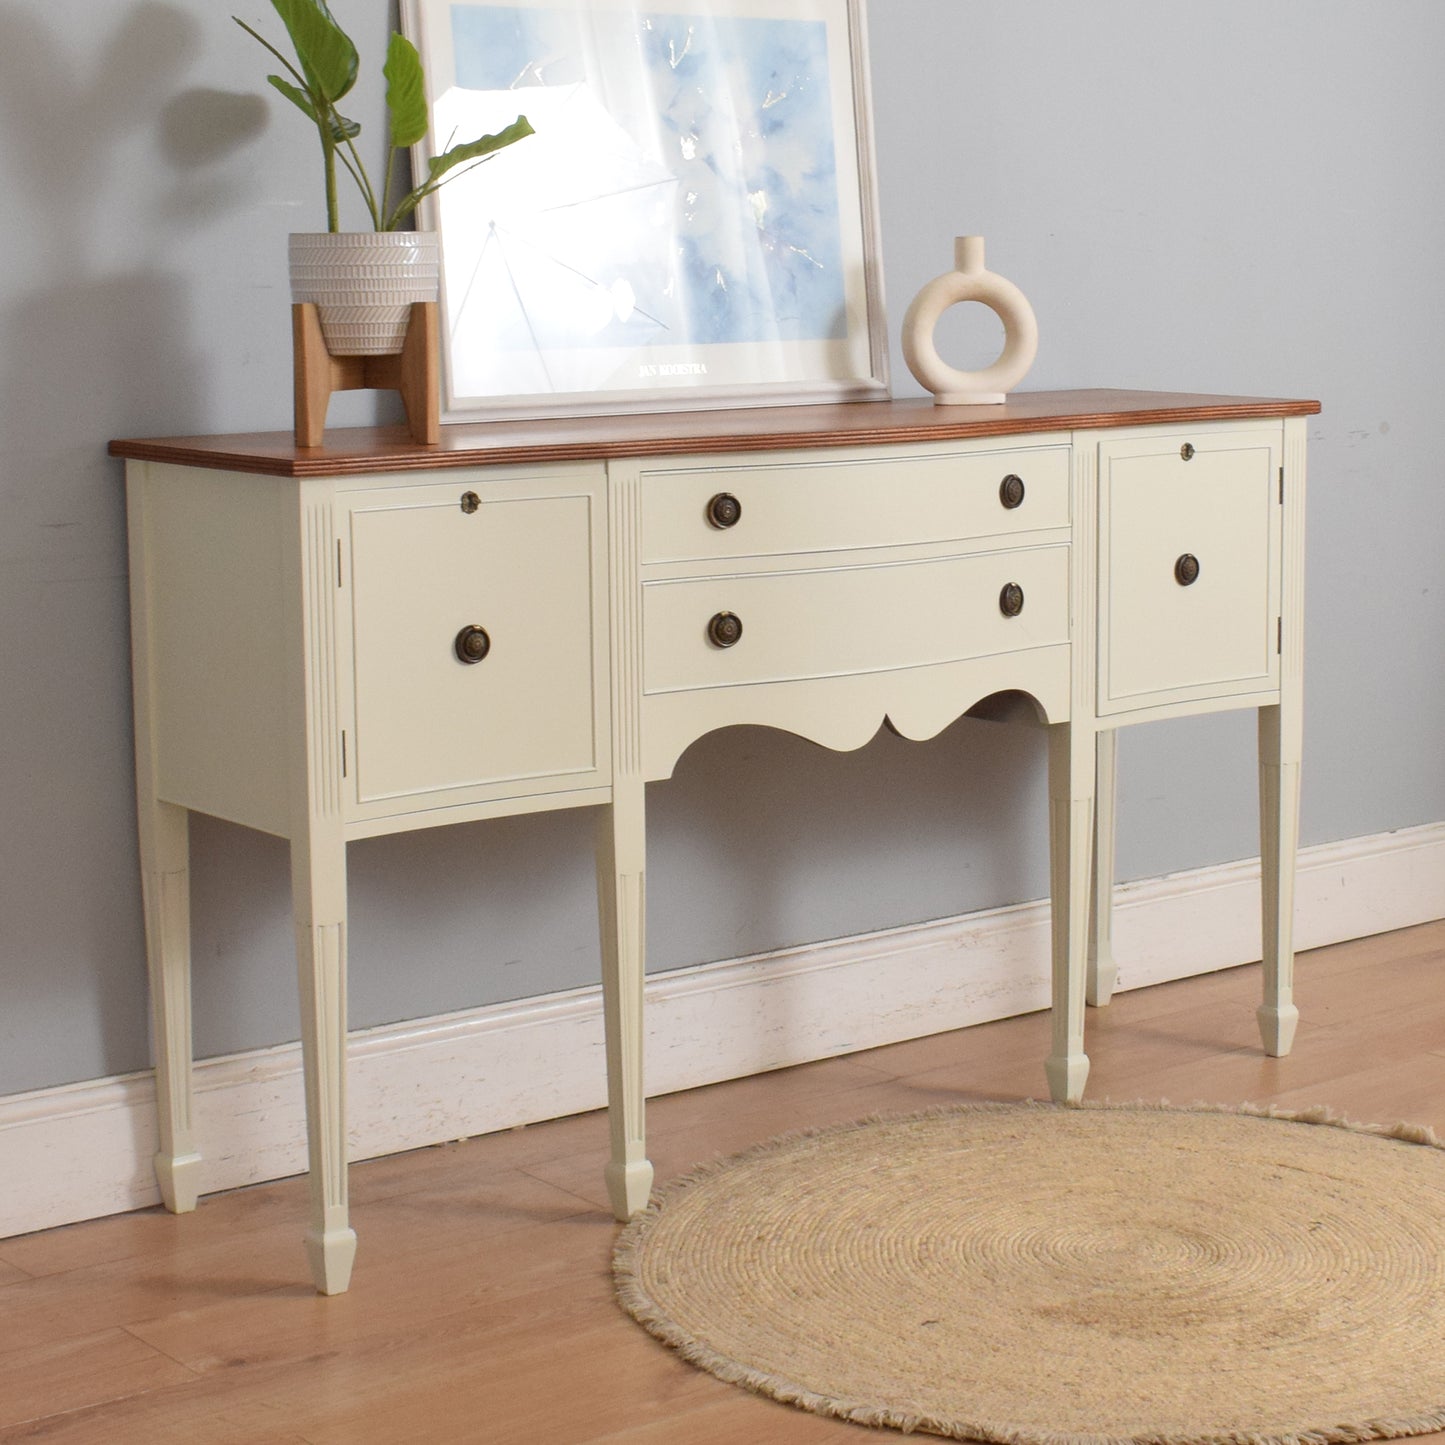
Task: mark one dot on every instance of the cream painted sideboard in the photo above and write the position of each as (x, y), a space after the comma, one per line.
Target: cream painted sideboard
(369, 636)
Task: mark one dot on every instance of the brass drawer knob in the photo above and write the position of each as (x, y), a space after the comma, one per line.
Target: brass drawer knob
(1011, 600)
(470, 502)
(725, 629)
(472, 644)
(1187, 451)
(1011, 492)
(724, 511)
(1186, 569)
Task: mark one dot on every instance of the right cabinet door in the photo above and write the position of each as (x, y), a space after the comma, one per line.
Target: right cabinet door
(1189, 559)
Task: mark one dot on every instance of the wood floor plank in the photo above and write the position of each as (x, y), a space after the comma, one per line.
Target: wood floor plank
(740, 1418)
(40, 1380)
(506, 1280)
(1377, 1094)
(210, 1267)
(240, 1213)
(207, 1265)
(677, 1146)
(1364, 955)
(135, 1421)
(1004, 1041)
(482, 1309)
(615, 1376)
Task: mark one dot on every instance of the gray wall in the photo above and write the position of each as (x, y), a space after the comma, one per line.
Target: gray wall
(1229, 195)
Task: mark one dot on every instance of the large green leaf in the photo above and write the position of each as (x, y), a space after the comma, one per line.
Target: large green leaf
(441, 166)
(296, 96)
(405, 92)
(341, 128)
(475, 149)
(328, 58)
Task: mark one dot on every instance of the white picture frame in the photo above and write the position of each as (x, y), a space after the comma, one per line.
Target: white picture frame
(694, 223)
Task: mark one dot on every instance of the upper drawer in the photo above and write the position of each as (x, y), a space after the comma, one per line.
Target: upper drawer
(837, 505)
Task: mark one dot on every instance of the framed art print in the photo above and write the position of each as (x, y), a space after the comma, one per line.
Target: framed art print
(692, 224)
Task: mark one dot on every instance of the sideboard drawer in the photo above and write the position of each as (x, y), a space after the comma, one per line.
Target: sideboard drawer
(1189, 545)
(518, 562)
(807, 506)
(834, 621)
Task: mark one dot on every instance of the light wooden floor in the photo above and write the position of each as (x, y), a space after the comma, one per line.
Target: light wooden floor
(481, 1308)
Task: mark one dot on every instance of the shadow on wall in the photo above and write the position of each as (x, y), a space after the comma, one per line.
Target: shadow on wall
(112, 165)
(100, 336)
(961, 819)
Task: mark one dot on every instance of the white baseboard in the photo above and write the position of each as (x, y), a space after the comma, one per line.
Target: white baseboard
(84, 1150)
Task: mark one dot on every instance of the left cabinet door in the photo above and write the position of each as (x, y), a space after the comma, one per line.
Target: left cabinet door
(477, 608)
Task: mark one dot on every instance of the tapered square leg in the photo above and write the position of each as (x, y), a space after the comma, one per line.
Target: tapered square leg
(621, 895)
(319, 902)
(165, 885)
(1103, 971)
(1279, 778)
(164, 840)
(1071, 837)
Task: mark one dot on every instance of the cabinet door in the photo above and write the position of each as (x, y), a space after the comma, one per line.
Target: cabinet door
(1189, 558)
(519, 569)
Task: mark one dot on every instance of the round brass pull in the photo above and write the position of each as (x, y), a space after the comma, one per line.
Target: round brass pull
(1011, 492)
(472, 644)
(724, 511)
(470, 502)
(725, 629)
(1187, 451)
(1186, 569)
(1011, 600)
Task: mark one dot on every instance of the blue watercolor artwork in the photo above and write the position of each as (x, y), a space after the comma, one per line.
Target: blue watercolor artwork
(709, 193)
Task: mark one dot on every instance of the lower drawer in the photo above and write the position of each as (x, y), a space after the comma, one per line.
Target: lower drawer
(827, 622)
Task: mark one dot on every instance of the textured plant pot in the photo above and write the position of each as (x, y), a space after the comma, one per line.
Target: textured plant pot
(363, 284)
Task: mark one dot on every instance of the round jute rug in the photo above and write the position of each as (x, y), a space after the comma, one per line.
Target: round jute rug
(1067, 1276)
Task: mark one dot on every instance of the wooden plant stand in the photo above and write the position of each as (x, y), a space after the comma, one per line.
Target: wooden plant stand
(412, 371)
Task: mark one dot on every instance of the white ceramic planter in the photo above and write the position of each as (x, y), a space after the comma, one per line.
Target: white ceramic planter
(363, 284)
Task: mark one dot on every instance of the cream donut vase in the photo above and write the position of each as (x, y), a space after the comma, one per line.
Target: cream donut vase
(969, 281)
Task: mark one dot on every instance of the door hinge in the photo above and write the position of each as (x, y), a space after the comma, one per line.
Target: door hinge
(1281, 486)
(343, 752)
(338, 561)
(1279, 634)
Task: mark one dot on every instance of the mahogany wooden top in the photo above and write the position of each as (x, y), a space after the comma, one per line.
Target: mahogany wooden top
(346, 452)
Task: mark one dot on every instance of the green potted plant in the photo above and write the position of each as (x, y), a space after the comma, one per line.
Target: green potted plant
(364, 282)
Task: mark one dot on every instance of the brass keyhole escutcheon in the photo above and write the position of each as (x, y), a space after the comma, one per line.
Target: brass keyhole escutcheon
(725, 629)
(1011, 600)
(1186, 569)
(1187, 451)
(470, 502)
(1011, 491)
(472, 644)
(724, 511)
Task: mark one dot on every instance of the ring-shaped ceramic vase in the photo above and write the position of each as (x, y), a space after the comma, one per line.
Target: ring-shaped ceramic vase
(969, 281)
